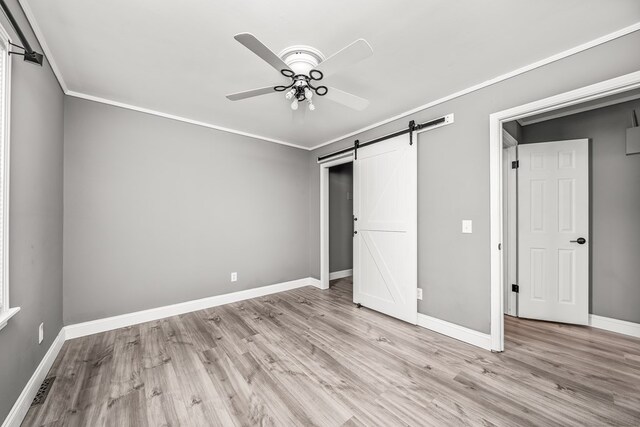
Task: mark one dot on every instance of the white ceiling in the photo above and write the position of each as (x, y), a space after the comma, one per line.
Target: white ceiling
(180, 58)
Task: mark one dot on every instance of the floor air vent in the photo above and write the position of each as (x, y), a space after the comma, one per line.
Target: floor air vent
(43, 391)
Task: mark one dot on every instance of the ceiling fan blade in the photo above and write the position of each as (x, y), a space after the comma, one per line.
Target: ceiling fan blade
(345, 98)
(256, 46)
(250, 93)
(355, 52)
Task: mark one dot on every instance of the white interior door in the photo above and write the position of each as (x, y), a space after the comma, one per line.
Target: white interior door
(553, 211)
(385, 260)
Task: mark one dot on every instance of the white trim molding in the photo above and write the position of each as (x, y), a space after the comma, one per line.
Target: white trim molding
(28, 13)
(541, 63)
(615, 325)
(553, 58)
(110, 323)
(6, 315)
(526, 121)
(340, 274)
(508, 140)
(314, 282)
(6, 311)
(58, 73)
(324, 216)
(458, 332)
(21, 406)
(625, 83)
(179, 118)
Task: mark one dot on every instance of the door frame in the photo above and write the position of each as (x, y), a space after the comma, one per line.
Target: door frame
(602, 89)
(324, 215)
(510, 230)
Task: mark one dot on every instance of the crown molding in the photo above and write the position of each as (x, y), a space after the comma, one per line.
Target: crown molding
(553, 58)
(179, 118)
(58, 73)
(28, 12)
(541, 63)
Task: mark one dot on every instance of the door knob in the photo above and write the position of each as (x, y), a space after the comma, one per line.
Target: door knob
(579, 240)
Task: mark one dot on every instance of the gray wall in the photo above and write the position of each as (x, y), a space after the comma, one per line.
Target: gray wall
(340, 217)
(453, 179)
(514, 129)
(615, 204)
(35, 222)
(159, 212)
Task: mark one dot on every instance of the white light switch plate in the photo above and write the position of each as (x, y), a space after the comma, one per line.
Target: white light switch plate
(40, 333)
(467, 226)
(234, 277)
(419, 293)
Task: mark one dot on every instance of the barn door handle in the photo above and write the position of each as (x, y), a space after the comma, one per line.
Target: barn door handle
(579, 240)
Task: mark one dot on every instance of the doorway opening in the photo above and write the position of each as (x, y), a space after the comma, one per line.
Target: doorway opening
(569, 234)
(325, 168)
(341, 222)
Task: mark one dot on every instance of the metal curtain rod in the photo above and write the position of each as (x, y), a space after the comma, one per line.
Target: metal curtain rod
(29, 54)
(412, 127)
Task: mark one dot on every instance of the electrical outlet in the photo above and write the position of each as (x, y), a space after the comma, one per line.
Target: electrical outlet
(467, 226)
(40, 333)
(420, 293)
(234, 277)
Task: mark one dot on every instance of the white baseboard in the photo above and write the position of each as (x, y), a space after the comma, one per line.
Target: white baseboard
(21, 406)
(315, 282)
(615, 325)
(340, 274)
(110, 323)
(455, 331)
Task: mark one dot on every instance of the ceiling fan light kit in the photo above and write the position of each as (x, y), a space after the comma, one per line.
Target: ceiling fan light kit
(306, 66)
(301, 61)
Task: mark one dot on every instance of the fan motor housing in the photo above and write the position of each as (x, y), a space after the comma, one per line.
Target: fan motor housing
(301, 59)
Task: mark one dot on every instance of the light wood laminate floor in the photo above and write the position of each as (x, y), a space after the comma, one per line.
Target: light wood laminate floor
(309, 357)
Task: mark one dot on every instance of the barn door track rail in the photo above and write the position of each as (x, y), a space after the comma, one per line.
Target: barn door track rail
(410, 129)
(29, 54)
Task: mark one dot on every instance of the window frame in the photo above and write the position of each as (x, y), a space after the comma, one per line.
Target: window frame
(6, 310)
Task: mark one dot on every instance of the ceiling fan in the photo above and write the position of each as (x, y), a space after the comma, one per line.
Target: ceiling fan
(306, 66)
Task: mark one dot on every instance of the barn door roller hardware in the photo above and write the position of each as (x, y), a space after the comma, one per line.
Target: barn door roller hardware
(413, 127)
(29, 54)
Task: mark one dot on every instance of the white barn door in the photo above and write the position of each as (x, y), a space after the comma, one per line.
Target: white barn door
(385, 261)
(553, 231)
